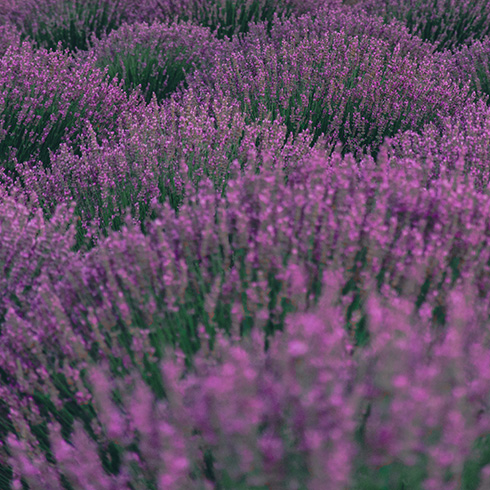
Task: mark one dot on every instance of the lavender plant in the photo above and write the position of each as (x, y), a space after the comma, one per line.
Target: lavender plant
(154, 152)
(156, 56)
(230, 17)
(473, 63)
(73, 23)
(287, 418)
(348, 89)
(335, 17)
(205, 289)
(446, 23)
(27, 248)
(46, 99)
(241, 268)
(462, 146)
(9, 36)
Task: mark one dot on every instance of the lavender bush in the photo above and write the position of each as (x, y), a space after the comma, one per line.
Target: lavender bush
(47, 99)
(151, 157)
(27, 243)
(234, 280)
(157, 56)
(463, 142)
(326, 84)
(125, 325)
(472, 63)
(335, 17)
(230, 17)
(74, 23)
(446, 23)
(287, 418)
(9, 36)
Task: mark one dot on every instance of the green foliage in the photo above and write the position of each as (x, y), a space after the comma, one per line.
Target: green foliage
(449, 23)
(26, 140)
(142, 67)
(234, 16)
(71, 22)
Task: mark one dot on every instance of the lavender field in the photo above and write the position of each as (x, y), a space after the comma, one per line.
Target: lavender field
(244, 245)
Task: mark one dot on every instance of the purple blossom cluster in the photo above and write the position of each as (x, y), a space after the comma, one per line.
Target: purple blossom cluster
(244, 245)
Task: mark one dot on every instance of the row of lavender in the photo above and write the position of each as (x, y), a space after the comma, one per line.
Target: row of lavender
(241, 184)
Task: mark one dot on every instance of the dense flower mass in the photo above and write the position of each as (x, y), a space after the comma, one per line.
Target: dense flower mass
(472, 63)
(446, 23)
(157, 56)
(48, 97)
(244, 245)
(74, 23)
(352, 89)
